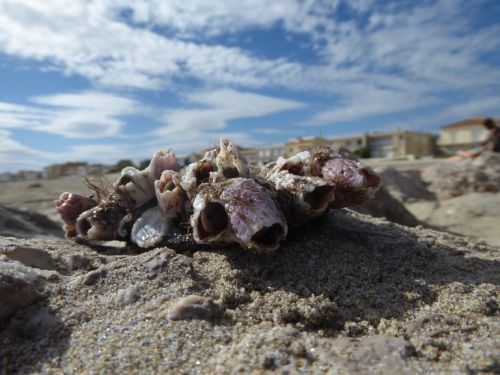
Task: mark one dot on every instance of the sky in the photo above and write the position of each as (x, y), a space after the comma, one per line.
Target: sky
(104, 80)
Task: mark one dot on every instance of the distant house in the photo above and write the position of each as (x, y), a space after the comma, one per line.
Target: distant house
(66, 169)
(297, 145)
(351, 143)
(400, 143)
(463, 134)
(392, 144)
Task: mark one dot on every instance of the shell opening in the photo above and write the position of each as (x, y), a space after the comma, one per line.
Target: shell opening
(295, 169)
(212, 220)
(203, 172)
(230, 172)
(372, 179)
(268, 237)
(83, 226)
(319, 197)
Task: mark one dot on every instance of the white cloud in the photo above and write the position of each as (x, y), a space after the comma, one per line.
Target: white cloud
(213, 110)
(208, 114)
(376, 58)
(87, 114)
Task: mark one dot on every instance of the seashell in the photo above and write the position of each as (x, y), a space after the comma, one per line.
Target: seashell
(103, 222)
(70, 206)
(228, 161)
(150, 229)
(136, 187)
(353, 181)
(198, 173)
(302, 197)
(238, 210)
(227, 207)
(297, 164)
(170, 195)
(161, 161)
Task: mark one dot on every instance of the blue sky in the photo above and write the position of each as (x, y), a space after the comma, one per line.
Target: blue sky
(110, 79)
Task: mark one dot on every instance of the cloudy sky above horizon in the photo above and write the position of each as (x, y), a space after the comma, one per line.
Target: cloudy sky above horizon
(110, 79)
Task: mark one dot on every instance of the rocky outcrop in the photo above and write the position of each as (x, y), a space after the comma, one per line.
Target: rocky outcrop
(346, 294)
(454, 178)
(405, 186)
(385, 205)
(18, 223)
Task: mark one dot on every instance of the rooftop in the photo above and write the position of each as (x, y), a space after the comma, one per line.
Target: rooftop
(478, 120)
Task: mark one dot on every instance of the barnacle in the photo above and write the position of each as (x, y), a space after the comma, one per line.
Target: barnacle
(238, 210)
(223, 203)
(70, 206)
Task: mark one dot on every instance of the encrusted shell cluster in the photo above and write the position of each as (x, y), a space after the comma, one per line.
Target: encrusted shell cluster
(218, 197)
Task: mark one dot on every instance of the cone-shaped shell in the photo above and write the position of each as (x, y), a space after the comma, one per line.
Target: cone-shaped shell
(103, 222)
(70, 206)
(301, 197)
(353, 181)
(169, 194)
(240, 211)
(136, 187)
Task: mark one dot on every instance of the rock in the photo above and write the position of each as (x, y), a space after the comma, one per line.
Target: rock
(18, 223)
(473, 214)
(454, 178)
(375, 355)
(194, 307)
(385, 205)
(405, 186)
(93, 277)
(30, 256)
(18, 288)
(128, 296)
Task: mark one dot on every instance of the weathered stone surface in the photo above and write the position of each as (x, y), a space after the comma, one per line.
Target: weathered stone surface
(194, 307)
(18, 288)
(18, 223)
(405, 186)
(454, 178)
(385, 205)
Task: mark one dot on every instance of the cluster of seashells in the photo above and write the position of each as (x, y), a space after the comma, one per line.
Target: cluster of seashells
(217, 200)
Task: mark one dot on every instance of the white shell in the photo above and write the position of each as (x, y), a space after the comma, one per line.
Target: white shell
(150, 229)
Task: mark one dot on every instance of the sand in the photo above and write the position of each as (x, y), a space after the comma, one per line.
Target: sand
(347, 294)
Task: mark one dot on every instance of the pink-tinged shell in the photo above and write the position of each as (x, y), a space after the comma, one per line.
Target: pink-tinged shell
(169, 194)
(353, 181)
(240, 211)
(70, 206)
(161, 161)
(136, 187)
(103, 222)
(303, 197)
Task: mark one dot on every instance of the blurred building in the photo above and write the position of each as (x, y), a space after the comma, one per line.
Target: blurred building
(351, 143)
(66, 169)
(297, 145)
(392, 144)
(401, 143)
(463, 134)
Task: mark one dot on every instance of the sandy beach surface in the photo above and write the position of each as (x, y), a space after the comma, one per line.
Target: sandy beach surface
(346, 294)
